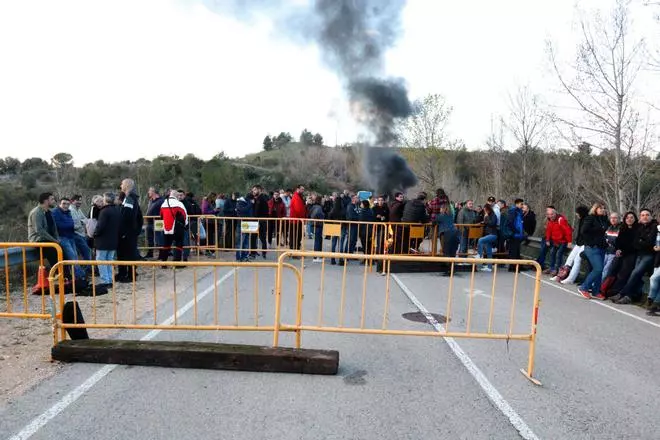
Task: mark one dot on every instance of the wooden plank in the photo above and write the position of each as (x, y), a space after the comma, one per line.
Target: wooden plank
(198, 355)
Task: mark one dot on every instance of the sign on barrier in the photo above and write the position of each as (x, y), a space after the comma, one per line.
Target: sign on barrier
(249, 227)
(159, 226)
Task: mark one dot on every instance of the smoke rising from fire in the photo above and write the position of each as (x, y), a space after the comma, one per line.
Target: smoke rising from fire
(353, 36)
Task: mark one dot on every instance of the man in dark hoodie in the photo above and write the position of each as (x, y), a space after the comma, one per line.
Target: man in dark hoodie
(316, 215)
(244, 209)
(414, 211)
(382, 215)
(229, 211)
(260, 200)
(129, 230)
(645, 239)
(352, 215)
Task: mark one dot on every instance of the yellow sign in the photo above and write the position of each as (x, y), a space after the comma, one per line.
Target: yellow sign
(249, 227)
(159, 225)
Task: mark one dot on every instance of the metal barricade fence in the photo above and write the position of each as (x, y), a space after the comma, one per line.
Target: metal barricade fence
(497, 318)
(20, 300)
(154, 290)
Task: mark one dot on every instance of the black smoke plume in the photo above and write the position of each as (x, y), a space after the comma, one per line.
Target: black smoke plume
(353, 36)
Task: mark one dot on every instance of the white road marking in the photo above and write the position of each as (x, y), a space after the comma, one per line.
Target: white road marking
(39, 422)
(596, 301)
(518, 423)
(476, 292)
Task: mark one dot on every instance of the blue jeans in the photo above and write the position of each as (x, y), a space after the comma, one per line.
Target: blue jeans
(352, 238)
(596, 257)
(105, 271)
(654, 291)
(70, 253)
(607, 265)
(82, 247)
(487, 242)
(333, 244)
(186, 243)
(556, 255)
(318, 237)
(343, 244)
(242, 246)
(464, 240)
(309, 229)
(633, 288)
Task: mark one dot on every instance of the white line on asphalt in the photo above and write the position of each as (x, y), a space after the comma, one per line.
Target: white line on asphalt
(518, 423)
(597, 302)
(39, 422)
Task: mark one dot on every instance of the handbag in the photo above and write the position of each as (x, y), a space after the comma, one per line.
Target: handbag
(563, 272)
(202, 232)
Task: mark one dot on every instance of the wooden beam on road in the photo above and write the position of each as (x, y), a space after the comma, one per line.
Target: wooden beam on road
(198, 355)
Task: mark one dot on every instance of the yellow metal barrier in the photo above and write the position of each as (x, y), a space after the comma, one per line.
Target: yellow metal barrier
(25, 254)
(138, 308)
(490, 327)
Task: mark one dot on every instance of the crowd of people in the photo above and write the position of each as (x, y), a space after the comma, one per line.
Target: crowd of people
(617, 254)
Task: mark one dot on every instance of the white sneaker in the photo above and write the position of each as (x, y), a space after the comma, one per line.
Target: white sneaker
(567, 282)
(317, 260)
(476, 256)
(486, 269)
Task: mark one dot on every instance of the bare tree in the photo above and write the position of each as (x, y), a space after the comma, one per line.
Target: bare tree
(426, 127)
(497, 156)
(601, 82)
(527, 124)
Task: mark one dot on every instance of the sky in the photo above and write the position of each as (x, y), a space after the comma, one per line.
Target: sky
(126, 79)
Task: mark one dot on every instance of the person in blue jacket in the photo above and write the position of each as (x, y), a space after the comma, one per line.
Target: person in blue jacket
(515, 232)
(65, 229)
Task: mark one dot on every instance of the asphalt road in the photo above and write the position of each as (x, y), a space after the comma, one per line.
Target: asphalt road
(598, 368)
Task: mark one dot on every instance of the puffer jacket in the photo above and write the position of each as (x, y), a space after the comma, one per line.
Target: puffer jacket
(415, 212)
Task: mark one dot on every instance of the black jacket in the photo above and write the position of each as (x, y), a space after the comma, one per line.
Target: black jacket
(396, 211)
(645, 238)
(625, 242)
(261, 205)
(490, 225)
(415, 212)
(338, 211)
(529, 223)
(229, 210)
(579, 238)
(383, 212)
(106, 234)
(131, 217)
(593, 231)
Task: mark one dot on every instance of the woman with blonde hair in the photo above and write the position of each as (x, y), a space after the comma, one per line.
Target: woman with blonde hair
(593, 234)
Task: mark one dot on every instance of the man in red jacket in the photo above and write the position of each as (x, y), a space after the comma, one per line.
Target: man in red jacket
(558, 236)
(297, 213)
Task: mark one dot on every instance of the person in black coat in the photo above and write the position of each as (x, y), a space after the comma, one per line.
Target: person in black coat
(644, 242)
(129, 230)
(592, 232)
(414, 211)
(625, 256)
(106, 236)
(260, 209)
(529, 221)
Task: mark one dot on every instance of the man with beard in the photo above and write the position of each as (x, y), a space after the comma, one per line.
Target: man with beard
(41, 226)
